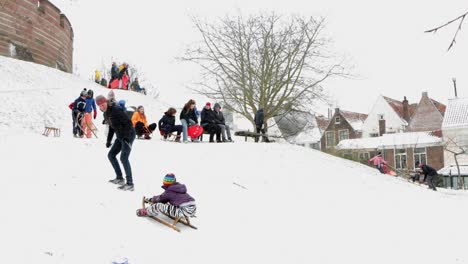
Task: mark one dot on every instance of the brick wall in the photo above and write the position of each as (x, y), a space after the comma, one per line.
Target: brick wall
(335, 128)
(36, 30)
(427, 117)
(435, 157)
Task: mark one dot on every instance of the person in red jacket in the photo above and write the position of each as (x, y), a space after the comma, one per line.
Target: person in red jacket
(378, 162)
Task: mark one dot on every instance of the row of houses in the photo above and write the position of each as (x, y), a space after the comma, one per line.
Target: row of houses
(427, 131)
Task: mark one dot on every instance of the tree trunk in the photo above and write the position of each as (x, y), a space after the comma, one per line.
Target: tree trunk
(461, 183)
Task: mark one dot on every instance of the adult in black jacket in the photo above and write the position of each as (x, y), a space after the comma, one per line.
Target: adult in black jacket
(167, 124)
(429, 174)
(78, 110)
(121, 125)
(259, 120)
(221, 122)
(188, 118)
(114, 72)
(208, 122)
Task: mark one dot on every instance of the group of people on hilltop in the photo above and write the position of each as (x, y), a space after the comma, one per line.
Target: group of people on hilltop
(120, 79)
(429, 173)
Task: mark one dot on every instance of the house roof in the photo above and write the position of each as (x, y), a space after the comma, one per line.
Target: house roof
(456, 114)
(440, 106)
(322, 123)
(453, 171)
(397, 106)
(356, 120)
(396, 140)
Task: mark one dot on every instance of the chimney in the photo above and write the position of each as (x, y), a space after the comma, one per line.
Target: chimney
(406, 115)
(381, 127)
(337, 110)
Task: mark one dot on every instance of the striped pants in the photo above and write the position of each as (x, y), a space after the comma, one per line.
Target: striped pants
(186, 209)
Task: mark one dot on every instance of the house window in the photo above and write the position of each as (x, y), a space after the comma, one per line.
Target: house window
(40, 6)
(381, 117)
(364, 156)
(373, 134)
(330, 138)
(343, 134)
(337, 120)
(420, 155)
(400, 158)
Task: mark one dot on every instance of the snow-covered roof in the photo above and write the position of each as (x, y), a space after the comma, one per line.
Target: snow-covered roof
(456, 114)
(356, 120)
(397, 140)
(453, 171)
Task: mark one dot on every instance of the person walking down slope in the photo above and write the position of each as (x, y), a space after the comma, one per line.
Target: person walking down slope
(378, 162)
(121, 125)
(429, 174)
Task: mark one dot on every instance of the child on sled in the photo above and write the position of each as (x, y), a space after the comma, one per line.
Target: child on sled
(174, 201)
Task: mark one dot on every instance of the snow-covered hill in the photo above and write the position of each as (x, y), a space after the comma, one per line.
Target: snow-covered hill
(296, 205)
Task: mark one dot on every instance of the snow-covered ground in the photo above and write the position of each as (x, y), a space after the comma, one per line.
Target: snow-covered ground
(298, 205)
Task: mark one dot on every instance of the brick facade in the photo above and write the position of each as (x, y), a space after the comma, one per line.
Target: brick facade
(36, 30)
(335, 128)
(428, 115)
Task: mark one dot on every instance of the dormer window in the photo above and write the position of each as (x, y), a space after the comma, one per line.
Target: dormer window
(337, 120)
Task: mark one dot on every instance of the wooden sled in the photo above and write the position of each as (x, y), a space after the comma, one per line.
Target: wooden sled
(184, 220)
(47, 131)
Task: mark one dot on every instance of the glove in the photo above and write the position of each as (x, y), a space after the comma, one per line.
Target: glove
(108, 144)
(95, 113)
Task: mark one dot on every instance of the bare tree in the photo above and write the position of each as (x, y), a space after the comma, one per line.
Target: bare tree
(460, 18)
(453, 147)
(264, 62)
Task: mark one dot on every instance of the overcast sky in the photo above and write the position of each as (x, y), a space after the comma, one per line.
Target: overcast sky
(384, 39)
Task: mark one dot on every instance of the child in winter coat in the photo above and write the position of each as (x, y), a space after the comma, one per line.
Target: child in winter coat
(167, 124)
(174, 201)
(78, 109)
(378, 162)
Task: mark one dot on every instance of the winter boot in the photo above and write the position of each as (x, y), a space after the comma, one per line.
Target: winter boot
(142, 212)
(211, 138)
(147, 136)
(117, 181)
(177, 139)
(127, 187)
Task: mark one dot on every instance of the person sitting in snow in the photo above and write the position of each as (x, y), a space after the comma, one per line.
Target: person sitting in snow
(167, 124)
(378, 162)
(141, 124)
(78, 110)
(174, 201)
(87, 123)
(121, 125)
(188, 118)
(208, 122)
(429, 174)
(221, 122)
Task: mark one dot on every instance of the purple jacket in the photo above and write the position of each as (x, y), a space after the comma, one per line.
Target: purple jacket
(175, 194)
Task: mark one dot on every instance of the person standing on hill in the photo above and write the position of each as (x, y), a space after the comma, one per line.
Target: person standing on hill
(78, 109)
(259, 120)
(378, 162)
(429, 173)
(90, 109)
(121, 125)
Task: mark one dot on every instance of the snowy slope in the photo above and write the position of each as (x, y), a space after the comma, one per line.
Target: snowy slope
(299, 205)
